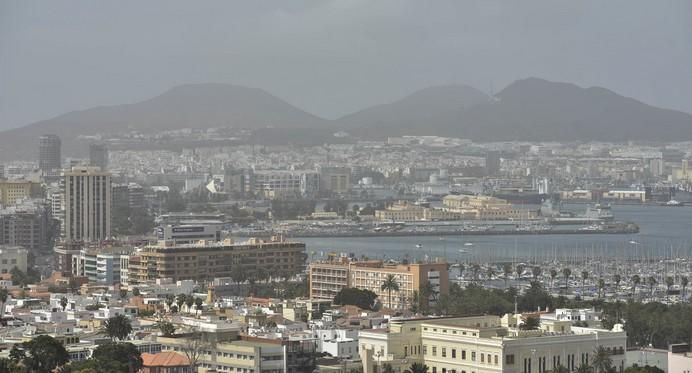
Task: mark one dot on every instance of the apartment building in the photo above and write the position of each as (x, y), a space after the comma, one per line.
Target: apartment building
(329, 277)
(487, 344)
(12, 191)
(206, 260)
(87, 204)
(335, 180)
(276, 184)
(29, 225)
(11, 257)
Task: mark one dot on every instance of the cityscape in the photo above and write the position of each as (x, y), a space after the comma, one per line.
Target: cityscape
(542, 228)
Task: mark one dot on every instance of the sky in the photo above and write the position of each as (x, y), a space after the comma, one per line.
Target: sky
(332, 58)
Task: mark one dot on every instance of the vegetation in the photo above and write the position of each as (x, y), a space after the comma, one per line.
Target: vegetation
(41, 355)
(417, 368)
(390, 285)
(118, 327)
(364, 299)
(110, 358)
(531, 323)
(31, 276)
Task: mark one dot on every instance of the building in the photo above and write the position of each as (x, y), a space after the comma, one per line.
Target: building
(335, 180)
(190, 233)
(49, 158)
(485, 208)
(11, 257)
(493, 162)
(327, 278)
(625, 195)
(87, 201)
(29, 225)
(238, 182)
(165, 362)
(279, 184)
(12, 191)
(99, 264)
(206, 260)
(98, 156)
(485, 344)
(404, 211)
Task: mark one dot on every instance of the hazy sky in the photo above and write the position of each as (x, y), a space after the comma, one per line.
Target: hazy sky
(333, 57)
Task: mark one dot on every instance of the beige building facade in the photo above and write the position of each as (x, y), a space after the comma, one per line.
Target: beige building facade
(87, 201)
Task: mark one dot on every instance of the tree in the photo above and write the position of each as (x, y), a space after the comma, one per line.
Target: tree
(506, 270)
(684, 282)
(123, 293)
(390, 285)
(553, 274)
(584, 368)
(566, 272)
(601, 362)
(167, 329)
(170, 299)
(491, 272)
(536, 271)
(417, 368)
(125, 354)
(601, 287)
(193, 347)
(387, 368)
(118, 327)
(476, 269)
(531, 323)
(135, 292)
(42, 354)
(3, 298)
(652, 282)
(180, 300)
(63, 303)
(364, 299)
(584, 277)
(560, 369)
(645, 369)
(198, 304)
(669, 284)
(520, 270)
(189, 301)
(617, 279)
(636, 280)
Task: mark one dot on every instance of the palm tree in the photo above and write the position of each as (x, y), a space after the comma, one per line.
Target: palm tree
(475, 268)
(584, 368)
(417, 368)
(601, 287)
(617, 278)
(189, 301)
(390, 285)
(461, 270)
(63, 303)
(684, 281)
(118, 327)
(507, 270)
(584, 277)
(387, 368)
(536, 271)
(180, 300)
(491, 272)
(601, 362)
(520, 270)
(669, 283)
(560, 369)
(652, 282)
(170, 299)
(566, 272)
(553, 274)
(3, 298)
(636, 280)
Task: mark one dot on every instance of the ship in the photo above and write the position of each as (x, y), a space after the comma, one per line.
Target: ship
(594, 214)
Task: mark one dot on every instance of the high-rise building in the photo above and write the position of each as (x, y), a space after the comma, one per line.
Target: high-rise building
(29, 225)
(335, 180)
(87, 201)
(98, 156)
(49, 159)
(492, 162)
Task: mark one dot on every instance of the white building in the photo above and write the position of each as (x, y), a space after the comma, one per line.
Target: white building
(87, 201)
(11, 257)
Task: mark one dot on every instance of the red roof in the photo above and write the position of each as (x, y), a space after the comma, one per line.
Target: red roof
(164, 359)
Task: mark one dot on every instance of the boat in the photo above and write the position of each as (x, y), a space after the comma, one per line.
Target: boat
(673, 203)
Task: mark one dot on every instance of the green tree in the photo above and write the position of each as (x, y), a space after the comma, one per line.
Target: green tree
(584, 277)
(531, 323)
(387, 368)
(41, 355)
(180, 300)
(63, 303)
(3, 298)
(135, 292)
(417, 368)
(506, 271)
(566, 272)
(390, 284)
(189, 301)
(683, 282)
(669, 283)
(123, 293)
(118, 327)
(601, 287)
(601, 362)
(167, 329)
(520, 270)
(617, 279)
(170, 299)
(364, 299)
(560, 369)
(536, 271)
(553, 274)
(636, 280)
(198, 304)
(125, 354)
(584, 368)
(652, 283)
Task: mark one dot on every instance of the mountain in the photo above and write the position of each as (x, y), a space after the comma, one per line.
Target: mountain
(530, 109)
(413, 112)
(197, 106)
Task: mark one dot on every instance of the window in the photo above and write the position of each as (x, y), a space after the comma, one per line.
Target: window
(444, 352)
(473, 355)
(405, 350)
(496, 359)
(482, 357)
(509, 359)
(463, 354)
(434, 351)
(454, 353)
(425, 349)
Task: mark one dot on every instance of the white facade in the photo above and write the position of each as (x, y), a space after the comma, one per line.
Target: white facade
(87, 200)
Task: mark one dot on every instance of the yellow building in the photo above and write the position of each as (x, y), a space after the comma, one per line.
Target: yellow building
(12, 191)
(328, 278)
(206, 260)
(486, 344)
(406, 211)
(485, 208)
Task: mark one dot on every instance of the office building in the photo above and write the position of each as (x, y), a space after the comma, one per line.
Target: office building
(49, 158)
(12, 191)
(485, 344)
(190, 233)
(238, 182)
(279, 184)
(29, 225)
(206, 260)
(336, 180)
(328, 277)
(492, 162)
(98, 156)
(13, 256)
(87, 201)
